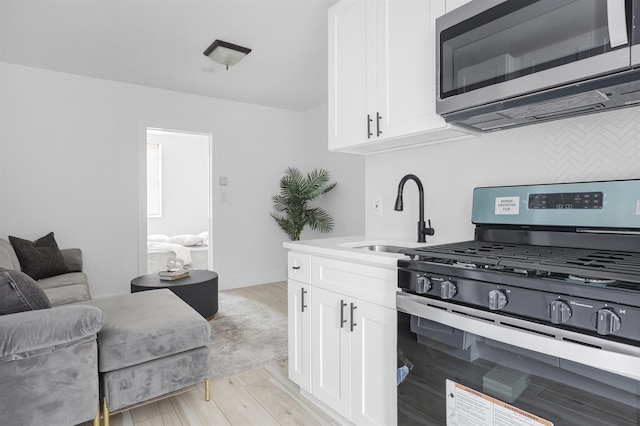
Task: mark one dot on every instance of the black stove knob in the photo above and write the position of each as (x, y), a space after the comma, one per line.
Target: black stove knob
(448, 289)
(559, 312)
(497, 300)
(423, 285)
(607, 322)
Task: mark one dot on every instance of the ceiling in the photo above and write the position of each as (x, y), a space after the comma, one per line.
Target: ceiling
(159, 43)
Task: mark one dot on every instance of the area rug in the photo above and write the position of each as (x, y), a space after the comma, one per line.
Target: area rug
(245, 334)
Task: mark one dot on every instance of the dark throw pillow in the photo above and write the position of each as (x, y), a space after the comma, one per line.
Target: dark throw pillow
(40, 258)
(19, 292)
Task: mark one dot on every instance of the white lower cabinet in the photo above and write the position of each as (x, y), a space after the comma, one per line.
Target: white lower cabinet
(353, 352)
(331, 351)
(299, 333)
(373, 365)
(342, 345)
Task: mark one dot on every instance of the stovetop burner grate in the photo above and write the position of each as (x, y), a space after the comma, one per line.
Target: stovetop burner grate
(538, 260)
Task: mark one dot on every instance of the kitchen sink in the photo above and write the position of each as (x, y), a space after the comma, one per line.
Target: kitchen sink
(382, 248)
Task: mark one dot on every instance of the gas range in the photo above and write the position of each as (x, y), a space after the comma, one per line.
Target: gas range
(561, 260)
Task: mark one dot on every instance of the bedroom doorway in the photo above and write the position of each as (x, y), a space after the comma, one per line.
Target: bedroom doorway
(178, 199)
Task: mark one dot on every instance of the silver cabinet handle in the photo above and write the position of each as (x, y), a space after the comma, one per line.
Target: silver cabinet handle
(353, 324)
(369, 120)
(378, 123)
(342, 320)
(302, 298)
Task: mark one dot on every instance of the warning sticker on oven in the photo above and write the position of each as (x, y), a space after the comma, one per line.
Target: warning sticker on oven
(466, 407)
(507, 205)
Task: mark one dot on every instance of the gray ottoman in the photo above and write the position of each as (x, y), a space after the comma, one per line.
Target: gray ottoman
(152, 344)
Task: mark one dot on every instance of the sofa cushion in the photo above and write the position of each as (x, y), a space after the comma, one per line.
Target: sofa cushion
(66, 294)
(19, 292)
(144, 326)
(8, 258)
(40, 258)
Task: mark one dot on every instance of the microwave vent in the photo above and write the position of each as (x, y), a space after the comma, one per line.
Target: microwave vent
(625, 89)
(485, 119)
(560, 105)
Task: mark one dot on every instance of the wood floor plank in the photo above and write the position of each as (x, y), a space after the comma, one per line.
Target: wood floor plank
(151, 410)
(280, 403)
(192, 409)
(252, 376)
(279, 371)
(237, 404)
(167, 419)
(271, 295)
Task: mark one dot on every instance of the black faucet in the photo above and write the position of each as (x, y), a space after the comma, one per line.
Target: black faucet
(422, 228)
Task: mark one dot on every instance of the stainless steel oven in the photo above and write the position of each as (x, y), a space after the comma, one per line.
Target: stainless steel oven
(534, 322)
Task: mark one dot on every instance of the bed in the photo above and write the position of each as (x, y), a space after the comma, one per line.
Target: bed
(194, 252)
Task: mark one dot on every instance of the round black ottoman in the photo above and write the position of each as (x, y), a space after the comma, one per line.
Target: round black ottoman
(199, 289)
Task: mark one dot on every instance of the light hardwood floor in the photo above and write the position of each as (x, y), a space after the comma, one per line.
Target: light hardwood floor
(264, 396)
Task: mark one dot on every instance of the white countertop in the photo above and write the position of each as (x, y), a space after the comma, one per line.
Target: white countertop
(346, 248)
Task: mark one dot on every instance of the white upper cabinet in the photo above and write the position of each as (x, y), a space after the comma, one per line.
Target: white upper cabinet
(382, 75)
(348, 88)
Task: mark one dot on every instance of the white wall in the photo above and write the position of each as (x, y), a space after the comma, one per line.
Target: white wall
(595, 147)
(345, 202)
(185, 184)
(73, 155)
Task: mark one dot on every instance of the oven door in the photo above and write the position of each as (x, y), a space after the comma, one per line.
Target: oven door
(498, 49)
(459, 366)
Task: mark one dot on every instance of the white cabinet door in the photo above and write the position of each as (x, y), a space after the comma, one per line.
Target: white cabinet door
(406, 77)
(373, 364)
(382, 80)
(331, 381)
(299, 333)
(348, 88)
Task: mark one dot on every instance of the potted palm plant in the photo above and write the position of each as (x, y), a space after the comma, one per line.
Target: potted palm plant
(292, 206)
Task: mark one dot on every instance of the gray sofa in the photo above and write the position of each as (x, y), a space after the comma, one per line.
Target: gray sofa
(57, 364)
(49, 357)
(48, 361)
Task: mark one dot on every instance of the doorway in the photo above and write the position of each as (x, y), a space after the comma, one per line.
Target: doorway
(178, 200)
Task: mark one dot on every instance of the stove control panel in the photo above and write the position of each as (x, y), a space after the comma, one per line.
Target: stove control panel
(566, 200)
(598, 318)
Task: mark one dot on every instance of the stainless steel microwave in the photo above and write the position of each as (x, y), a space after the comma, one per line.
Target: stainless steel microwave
(505, 63)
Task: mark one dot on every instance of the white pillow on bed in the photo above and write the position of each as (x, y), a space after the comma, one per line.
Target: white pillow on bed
(205, 237)
(157, 238)
(186, 240)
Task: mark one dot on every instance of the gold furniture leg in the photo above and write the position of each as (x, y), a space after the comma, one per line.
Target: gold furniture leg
(207, 391)
(96, 421)
(105, 412)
